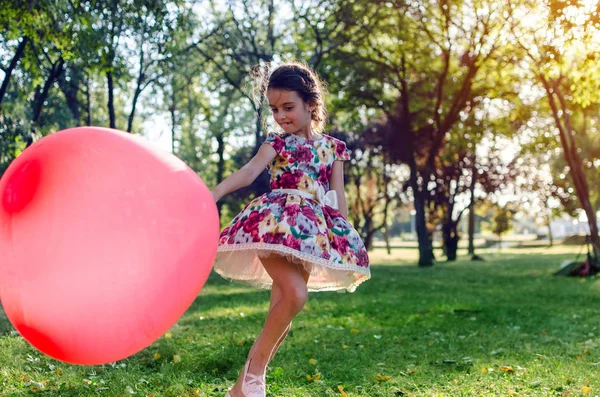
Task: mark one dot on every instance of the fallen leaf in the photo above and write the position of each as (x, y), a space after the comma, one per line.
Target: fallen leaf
(168, 335)
(176, 358)
(312, 361)
(484, 370)
(382, 378)
(354, 331)
(507, 369)
(586, 390)
(156, 356)
(341, 389)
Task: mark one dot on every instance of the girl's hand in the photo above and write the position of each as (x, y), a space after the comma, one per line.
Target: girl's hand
(215, 196)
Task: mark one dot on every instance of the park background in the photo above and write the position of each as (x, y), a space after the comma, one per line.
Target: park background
(473, 128)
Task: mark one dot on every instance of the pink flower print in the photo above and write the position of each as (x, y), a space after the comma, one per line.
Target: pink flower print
(292, 242)
(288, 155)
(363, 259)
(290, 179)
(235, 226)
(273, 238)
(340, 150)
(291, 212)
(309, 213)
(340, 244)
(323, 175)
(303, 154)
(278, 144)
(252, 222)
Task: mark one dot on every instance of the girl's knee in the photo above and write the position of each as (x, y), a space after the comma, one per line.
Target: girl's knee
(295, 298)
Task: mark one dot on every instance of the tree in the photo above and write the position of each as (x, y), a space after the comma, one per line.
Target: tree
(560, 52)
(420, 68)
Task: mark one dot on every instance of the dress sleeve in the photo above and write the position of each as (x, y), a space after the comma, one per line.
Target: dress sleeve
(341, 151)
(275, 141)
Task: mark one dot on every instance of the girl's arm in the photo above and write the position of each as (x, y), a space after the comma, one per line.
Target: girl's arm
(337, 183)
(247, 174)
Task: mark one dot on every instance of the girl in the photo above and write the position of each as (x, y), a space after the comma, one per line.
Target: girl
(295, 238)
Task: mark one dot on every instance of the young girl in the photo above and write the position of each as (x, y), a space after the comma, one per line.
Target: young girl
(295, 238)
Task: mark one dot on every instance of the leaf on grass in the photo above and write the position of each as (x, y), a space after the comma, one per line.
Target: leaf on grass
(314, 377)
(506, 368)
(382, 378)
(586, 390)
(176, 358)
(512, 393)
(341, 389)
(312, 361)
(168, 335)
(484, 370)
(354, 331)
(35, 387)
(156, 356)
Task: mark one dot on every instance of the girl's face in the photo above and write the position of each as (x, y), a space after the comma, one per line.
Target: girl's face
(290, 111)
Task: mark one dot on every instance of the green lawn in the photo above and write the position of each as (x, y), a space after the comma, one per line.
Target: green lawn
(501, 327)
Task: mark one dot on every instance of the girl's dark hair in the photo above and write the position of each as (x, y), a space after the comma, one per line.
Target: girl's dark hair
(300, 78)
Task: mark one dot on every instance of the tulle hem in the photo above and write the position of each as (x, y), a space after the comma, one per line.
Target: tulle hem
(241, 263)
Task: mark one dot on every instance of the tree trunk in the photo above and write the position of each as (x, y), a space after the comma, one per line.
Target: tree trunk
(472, 209)
(111, 101)
(386, 235)
(426, 258)
(40, 96)
(71, 91)
(88, 104)
(450, 234)
(136, 95)
(549, 219)
(12, 66)
(138, 90)
(220, 165)
(576, 170)
(172, 109)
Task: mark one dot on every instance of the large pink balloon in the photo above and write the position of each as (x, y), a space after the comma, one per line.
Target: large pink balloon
(105, 242)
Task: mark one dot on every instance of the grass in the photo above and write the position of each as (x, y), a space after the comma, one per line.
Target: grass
(505, 326)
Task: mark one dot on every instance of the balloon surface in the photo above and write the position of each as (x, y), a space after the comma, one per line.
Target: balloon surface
(105, 240)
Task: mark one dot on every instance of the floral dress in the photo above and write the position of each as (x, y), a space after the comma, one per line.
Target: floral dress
(297, 220)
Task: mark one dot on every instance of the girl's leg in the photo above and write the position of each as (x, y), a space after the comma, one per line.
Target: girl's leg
(276, 297)
(291, 286)
(291, 281)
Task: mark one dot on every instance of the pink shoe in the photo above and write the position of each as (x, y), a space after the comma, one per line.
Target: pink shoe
(255, 387)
